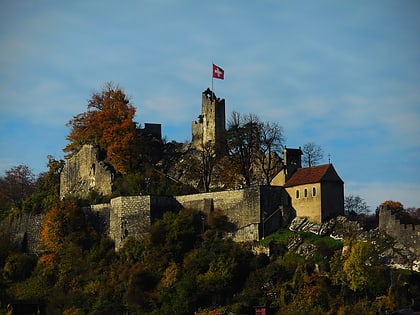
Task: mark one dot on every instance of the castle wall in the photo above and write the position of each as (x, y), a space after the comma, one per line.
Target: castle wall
(84, 172)
(407, 234)
(25, 230)
(246, 208)
(132, 216)
(255, 211)
(99, 216)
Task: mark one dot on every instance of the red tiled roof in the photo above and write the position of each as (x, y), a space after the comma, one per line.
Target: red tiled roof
(314, 174)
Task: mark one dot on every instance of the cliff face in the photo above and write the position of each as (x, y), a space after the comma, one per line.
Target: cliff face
(85, 171)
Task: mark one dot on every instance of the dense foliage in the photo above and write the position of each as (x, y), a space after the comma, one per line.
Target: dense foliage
(22, 192)
(109, 124)
(184, 265)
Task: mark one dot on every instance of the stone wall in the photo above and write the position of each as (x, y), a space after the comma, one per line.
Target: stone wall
(407, 234)
(85, 171)
(255, 211)
(24, 230)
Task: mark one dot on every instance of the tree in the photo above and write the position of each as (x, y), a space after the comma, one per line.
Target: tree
(63, 224)
(47, 190)
(270, 143)
(208, 162)
(108, 123)
(361, 266)
(394, 206)
(242, 142)
(312, 154)
(406, 216)
(355, 205)
(254, 146)
(17, 184)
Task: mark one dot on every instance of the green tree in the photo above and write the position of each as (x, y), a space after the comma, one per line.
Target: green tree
(47, 189)
(18, 266)
(360, 267)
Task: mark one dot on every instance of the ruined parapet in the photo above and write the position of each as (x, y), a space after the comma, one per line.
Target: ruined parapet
(84, 172)
(406, 234)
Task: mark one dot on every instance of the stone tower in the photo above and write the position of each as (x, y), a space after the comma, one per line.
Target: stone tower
(292, 161)
(210, 127)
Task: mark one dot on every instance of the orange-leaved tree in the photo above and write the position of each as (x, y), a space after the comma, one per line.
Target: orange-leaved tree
(63, 224)
(108, 123)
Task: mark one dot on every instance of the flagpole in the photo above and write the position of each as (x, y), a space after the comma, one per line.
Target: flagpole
(212, 79)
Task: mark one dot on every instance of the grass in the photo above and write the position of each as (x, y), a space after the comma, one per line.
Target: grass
(282, 236)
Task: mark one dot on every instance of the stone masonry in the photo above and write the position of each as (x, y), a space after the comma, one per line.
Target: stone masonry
(255, 211)
(86, 171)
(406, 234)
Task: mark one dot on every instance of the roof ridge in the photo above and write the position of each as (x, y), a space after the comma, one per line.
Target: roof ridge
(308, 175)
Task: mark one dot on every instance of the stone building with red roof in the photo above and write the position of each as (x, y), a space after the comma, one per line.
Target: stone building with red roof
(315, 192)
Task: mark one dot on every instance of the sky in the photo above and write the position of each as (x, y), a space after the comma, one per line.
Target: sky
(342, 74)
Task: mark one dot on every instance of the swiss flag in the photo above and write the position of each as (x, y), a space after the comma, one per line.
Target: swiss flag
(218, 72)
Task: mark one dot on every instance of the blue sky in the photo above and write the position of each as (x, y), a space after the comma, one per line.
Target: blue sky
(343, 74)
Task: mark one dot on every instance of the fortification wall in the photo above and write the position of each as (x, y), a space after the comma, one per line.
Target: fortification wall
(99, 216)
(255, 211)
(246, 208)
(84, 172)
(24, 230)
(241, 206)
(407, 234)
(129, 216)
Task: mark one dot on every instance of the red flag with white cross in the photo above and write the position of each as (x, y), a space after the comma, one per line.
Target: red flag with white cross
(218, 72)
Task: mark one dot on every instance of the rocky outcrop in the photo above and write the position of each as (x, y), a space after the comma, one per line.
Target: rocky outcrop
(392, 251)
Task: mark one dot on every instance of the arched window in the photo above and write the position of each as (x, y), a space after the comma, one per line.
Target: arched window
(305, 193)
(297, 193)
(313, 191)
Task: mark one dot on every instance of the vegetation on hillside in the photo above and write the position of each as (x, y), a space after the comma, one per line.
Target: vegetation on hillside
(184, 265)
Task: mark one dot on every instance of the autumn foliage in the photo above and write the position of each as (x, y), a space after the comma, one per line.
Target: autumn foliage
(107, 123)
(65, 223)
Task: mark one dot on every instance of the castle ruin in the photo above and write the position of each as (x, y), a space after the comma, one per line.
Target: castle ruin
(406, 234)
(210, 127)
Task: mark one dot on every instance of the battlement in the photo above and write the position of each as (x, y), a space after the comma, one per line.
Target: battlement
(407, 234)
